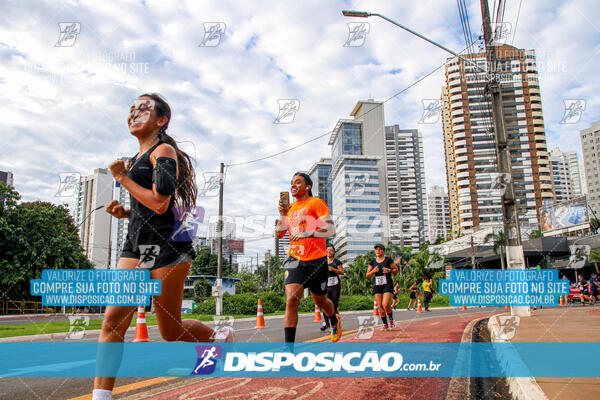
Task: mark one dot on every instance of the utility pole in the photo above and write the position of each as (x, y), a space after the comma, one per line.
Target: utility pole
(217, 289)
(268, 261)
(512, 232)
(473, 254)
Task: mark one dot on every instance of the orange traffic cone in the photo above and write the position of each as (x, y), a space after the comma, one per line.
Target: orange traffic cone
(562, 302)
(260, 318)
(141, 329)
(317, 314)
(375, 309)
(419, 308)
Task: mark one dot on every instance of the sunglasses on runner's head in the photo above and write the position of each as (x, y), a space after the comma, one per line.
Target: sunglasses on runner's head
(140, 110)
(143, 105)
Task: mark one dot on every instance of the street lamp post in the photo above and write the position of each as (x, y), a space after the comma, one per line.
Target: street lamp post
(514, 249)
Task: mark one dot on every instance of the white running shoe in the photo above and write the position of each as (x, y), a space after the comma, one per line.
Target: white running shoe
(224, 334)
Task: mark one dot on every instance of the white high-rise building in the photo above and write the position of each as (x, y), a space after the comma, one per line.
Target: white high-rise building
(590, 142)
(359, 184)
(95, 192)
(6, 177)
(228, 230)
(119, 226)
(584, 187)
(407, 199)
(439, 214)
(575, 174)
(282, 245)
(560, 176)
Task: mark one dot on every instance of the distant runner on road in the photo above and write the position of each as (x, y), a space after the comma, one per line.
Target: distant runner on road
(334, 285)
(413, 296)
(382, 267)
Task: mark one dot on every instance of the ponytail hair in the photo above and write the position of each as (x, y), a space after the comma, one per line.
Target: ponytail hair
(187, 190)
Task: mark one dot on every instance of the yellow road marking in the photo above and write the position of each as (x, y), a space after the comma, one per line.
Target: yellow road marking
(127, 388)
(324, 338)
(154, 381)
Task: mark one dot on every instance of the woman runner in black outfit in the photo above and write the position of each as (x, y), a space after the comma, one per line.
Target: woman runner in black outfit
(334, 286)
(383, 267)
(159, 176)
(413, 296)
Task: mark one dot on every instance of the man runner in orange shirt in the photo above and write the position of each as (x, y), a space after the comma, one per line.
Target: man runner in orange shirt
(309, 222)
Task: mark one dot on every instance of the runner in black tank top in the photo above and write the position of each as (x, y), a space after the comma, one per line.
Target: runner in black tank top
(161, 176)
(334, 285)
(149, 236)
(382, 268)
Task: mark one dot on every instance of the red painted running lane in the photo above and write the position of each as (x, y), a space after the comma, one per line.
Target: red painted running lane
(435, 329)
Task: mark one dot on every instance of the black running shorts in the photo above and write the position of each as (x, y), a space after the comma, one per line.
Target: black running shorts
(310, 274)
(163, 254)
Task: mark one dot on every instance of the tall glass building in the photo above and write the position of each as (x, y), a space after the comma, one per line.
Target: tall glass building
(319, 173)
(359, 190)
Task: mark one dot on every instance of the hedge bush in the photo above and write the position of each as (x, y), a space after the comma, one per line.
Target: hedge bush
(246, 303)
(355, 302)
(272, 301)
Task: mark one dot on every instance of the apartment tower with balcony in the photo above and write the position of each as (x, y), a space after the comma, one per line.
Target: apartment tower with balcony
(471, 167)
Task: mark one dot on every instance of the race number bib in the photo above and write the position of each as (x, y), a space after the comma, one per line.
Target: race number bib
(380, 280)
(332, 281)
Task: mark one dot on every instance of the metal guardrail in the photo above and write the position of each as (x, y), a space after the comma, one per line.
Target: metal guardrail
(23, 307)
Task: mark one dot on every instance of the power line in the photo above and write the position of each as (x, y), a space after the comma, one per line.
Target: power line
(328, 133)
(517, 22)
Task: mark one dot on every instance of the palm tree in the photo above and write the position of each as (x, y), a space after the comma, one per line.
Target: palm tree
(418, 267)
(499, 241)
(354, 280)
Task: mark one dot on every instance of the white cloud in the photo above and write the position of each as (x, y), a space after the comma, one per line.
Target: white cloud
(64, 108)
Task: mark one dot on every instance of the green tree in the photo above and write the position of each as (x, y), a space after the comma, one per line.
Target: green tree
(440, 240)
(354, 280)
(595, 258)
(205, 263)
(535, 234)
(250, 283)
(202, 289)
(34, 236)
(419, 266)
(499, 241)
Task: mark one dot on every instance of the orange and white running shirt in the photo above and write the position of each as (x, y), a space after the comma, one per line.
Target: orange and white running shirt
(307, 215)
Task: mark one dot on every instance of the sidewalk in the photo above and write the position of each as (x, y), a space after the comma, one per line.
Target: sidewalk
(562, 325)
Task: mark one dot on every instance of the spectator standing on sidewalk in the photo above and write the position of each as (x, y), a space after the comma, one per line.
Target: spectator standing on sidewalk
(427, 291)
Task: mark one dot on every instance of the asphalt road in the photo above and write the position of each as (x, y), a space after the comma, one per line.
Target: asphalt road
(68, 388)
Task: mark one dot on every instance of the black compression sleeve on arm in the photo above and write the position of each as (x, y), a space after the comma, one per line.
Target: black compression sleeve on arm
(164, 175)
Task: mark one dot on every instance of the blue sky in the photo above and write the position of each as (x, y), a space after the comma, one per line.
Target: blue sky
(64, 108)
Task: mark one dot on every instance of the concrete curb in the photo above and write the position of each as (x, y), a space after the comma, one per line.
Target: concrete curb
(58, 335)
(460, 387)
(62, 335)
(25, 316)
(522, 388)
